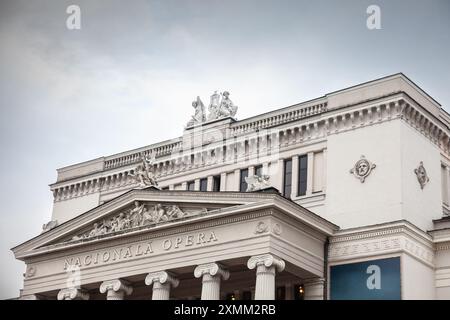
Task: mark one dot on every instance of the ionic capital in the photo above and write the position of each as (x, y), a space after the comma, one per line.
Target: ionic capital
(211, 269)
(116, 285)
(266, 260)
(73, 294)
(161, 277)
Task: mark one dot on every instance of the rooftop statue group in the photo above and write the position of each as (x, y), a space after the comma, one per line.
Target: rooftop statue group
(255, 182)
(137, 216)
(144, 173)
(219, 107)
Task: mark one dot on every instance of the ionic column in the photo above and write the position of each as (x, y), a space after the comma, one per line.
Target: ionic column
(211, 274)
(162, 281)
(116, 289)
(73, 294)
(266, 266)
(314, 289)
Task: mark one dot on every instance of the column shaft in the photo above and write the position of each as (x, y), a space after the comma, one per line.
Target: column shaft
(265, 283)
(210, 287)
(211, 274)
(161, 291)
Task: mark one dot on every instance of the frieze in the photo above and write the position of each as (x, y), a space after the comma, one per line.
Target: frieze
(379, 246)
(139, 250)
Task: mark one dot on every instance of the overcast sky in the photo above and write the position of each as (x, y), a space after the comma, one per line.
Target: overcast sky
(127, 78)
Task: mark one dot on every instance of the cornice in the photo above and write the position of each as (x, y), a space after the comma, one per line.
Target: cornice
(288, 135)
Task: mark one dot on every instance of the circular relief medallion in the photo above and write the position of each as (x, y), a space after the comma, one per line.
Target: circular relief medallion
(261, 227)
(276, 228)
(362, 169)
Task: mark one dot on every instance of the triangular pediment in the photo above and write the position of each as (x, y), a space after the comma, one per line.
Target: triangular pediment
(135, 211)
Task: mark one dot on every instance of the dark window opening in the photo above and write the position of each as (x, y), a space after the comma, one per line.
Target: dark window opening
(191, 186)
(243, 184)
(302, 175)
(287, 181)
(203, 184)
(216, 183)
(258, 171)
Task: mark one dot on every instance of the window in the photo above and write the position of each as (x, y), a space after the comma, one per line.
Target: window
(243, 184)
(216, 183)
(165, 188)
(203, 184)
(287, 181)
(302, 174)
(191, 186)
(258, 170)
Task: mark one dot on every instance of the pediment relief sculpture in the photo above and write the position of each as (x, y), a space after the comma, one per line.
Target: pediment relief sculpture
(220, 106)
(422, 175)
(139, 215)
(362, 169)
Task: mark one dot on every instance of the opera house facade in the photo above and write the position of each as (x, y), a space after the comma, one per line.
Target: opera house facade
(346, 196)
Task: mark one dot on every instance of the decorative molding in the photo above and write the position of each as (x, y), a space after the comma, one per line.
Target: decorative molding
(380, 242)
(422, 176)
(212, 269)
(376, 246)
(267, 260)
(362, 169)
(279, 130)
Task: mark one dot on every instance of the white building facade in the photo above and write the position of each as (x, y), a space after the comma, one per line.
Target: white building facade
(346, 196)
